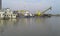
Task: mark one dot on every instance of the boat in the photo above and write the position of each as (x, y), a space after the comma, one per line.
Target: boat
(28, 15)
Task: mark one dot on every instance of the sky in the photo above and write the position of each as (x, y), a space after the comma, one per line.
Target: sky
(33, 5)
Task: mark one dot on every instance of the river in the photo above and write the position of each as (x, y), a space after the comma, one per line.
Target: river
(30, 27)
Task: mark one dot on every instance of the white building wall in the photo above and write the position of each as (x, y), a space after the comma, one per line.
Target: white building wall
(2, 14)
(8, 14)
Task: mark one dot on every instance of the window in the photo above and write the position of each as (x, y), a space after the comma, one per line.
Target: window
(13, 15)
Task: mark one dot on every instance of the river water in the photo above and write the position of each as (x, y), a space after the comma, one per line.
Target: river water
(30, 27)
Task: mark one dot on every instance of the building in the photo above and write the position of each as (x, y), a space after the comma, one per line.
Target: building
(7, 14)
(1, 14)
(0, 4)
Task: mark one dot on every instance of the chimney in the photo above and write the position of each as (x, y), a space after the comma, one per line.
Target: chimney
(0, 4)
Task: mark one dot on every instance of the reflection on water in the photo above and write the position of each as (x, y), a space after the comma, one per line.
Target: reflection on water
(4, 23)
(30, 27)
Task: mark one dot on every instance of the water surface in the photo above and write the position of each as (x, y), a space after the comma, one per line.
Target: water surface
(30, 27)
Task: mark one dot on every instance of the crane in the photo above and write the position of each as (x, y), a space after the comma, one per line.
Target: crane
(42, 13)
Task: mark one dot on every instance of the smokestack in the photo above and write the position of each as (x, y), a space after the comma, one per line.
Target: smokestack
(0, 4)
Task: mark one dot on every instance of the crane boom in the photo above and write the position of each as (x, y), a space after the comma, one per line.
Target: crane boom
(42, 13)
(47, 10)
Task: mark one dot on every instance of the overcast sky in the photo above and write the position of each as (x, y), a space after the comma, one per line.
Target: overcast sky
(32, 5)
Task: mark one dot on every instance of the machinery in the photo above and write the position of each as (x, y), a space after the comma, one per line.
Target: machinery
(24, 13)
(42, 13)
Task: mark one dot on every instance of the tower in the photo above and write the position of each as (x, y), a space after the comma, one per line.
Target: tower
(0, 4)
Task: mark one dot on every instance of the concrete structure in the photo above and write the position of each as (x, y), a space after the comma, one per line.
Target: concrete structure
(0, 4)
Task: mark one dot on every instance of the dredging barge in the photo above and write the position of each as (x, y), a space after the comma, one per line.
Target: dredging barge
(38, 14)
